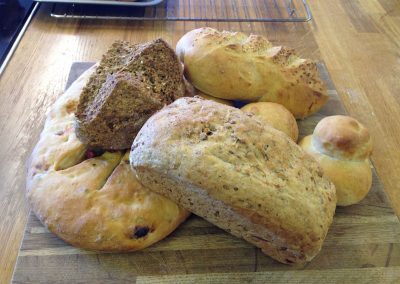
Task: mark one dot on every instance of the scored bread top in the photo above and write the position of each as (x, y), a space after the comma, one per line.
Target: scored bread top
(232, 65)
(251, 167)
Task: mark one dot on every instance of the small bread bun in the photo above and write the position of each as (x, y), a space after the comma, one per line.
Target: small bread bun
(342, 146)
(218, 100)
(276, 115)
(342, 137)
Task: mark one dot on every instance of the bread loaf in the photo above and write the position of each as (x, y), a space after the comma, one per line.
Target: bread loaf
(276, 115)
(234, 66)
(131, 83)
(91, 199)
(239, 174)
(342, 146)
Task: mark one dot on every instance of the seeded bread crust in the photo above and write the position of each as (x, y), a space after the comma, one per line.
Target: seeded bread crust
(131, 83)
(241, 175)
(234, 66)
(94, 203)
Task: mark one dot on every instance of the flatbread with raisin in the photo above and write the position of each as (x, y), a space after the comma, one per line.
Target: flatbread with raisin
(92, 200)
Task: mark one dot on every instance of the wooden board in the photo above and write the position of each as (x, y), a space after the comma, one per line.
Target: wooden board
(362, 244)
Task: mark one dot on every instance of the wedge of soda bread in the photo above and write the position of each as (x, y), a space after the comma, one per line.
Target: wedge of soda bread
(131, 82)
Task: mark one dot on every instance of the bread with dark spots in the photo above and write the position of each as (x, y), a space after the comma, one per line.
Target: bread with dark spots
(239, 174)
(130, 84)
(91, 199)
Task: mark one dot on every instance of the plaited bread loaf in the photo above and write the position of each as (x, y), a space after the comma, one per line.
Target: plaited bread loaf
(234, 66)
(238, 173)
(342, 146)
(276, 115)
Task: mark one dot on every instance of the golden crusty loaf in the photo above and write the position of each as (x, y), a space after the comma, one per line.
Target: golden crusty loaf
(276, 115)
(342, 146)
(232, 65)
(93, 202)
(238, 173)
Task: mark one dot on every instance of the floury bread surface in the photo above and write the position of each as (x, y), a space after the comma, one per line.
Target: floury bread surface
(245, 177)
(234, 66)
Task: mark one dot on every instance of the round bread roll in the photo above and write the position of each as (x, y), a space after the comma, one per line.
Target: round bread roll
(276, 115)
(234, 66)
(342, 146)
(92, 199)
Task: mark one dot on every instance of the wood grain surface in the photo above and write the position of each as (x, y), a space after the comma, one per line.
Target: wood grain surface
(359, 41)
(365, 236)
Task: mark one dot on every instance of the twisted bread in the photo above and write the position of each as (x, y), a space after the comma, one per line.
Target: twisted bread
(234, 66)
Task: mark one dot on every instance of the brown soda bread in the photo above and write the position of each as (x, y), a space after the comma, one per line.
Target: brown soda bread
(130, 84)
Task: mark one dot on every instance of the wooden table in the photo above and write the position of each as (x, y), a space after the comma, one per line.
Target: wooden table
(359, 41)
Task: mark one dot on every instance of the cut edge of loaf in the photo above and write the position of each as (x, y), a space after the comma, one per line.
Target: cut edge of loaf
(196, 200)
(149, 72)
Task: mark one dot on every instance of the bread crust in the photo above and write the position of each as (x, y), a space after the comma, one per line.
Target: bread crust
(94, 203)
(234, 66)
(342, 137)
(352, 178)
(276, 115)
(131, 83)
(239, 174)
(342, 147)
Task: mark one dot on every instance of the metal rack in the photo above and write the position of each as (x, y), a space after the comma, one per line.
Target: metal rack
(187, 10)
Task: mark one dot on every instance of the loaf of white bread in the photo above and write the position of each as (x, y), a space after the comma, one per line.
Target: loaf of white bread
(234, 66)
(342, 146)
(239, 174)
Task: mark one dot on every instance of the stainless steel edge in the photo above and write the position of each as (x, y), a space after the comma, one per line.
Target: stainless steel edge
(105, 2)
(309, 15)
(306, 18)
(18, 39)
